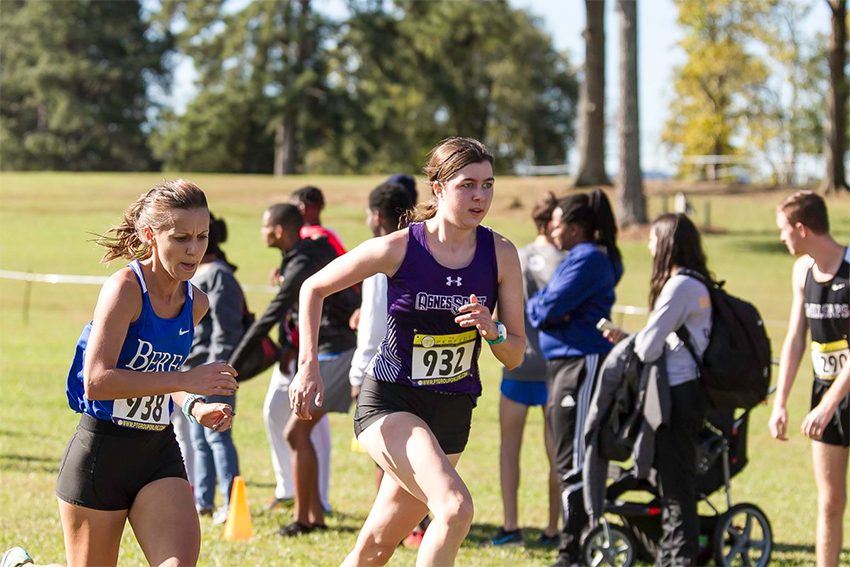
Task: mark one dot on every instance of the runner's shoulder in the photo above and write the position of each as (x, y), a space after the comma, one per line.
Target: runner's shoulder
(504, 246)
(801, 269)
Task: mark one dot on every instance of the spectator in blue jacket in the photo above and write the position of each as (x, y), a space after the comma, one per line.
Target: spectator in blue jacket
(565, 311)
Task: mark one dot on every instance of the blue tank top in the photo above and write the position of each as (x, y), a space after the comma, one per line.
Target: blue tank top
(424, 347)
(153, 344)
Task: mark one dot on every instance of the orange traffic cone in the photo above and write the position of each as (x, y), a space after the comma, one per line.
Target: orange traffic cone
(238, 525)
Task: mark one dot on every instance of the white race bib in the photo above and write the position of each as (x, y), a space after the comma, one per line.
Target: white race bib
(442, 359)
(829, 358)
(148, 412)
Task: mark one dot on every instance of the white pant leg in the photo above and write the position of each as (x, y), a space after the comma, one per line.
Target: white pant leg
(276, 413)
(321, 439)
(181, 431)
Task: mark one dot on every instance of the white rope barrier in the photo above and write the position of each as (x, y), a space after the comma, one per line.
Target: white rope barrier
(100, 280)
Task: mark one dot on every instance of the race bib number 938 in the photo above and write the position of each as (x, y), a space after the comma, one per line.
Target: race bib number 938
(148, 412)
(442, 359)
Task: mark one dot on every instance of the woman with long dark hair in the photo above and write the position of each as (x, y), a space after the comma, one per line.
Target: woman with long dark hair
(678, 299)
(565, 312)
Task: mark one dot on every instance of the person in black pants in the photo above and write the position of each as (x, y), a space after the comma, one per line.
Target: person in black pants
(677, 299)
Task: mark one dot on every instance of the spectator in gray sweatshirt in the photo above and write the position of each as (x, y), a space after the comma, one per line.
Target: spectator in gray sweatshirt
(677, 299)
(216, 336)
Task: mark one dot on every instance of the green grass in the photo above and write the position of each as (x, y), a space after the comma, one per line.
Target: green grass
(45, 221)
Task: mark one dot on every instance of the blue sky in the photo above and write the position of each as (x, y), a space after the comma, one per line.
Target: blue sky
(564, 20)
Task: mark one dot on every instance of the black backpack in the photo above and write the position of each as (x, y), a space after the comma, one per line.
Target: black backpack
(735, 368)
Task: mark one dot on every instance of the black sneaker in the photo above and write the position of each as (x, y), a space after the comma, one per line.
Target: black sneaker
(547, 540)
(294, 529)
(513, 537)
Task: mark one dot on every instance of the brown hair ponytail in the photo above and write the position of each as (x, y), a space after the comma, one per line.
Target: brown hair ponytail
(151, 210)
(444, 161)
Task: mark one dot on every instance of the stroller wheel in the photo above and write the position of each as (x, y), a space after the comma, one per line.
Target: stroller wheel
(610, 545)
(743, 536)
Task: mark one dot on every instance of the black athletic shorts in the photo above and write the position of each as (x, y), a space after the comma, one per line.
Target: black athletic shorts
(837, 432)
(105, 466)
(447, 415)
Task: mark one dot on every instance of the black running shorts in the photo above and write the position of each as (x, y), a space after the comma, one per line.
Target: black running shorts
(447, 415)
(837, 432)
(105, 466)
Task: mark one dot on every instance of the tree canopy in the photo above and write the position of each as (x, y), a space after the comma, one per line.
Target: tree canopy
(75, 77)
(372, 93)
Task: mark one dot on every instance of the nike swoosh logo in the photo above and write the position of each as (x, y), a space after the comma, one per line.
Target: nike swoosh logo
(838, 286)
(182, 332)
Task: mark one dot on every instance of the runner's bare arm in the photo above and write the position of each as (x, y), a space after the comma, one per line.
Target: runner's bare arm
(200, 305)
(377, 255)
(792, 351)
(119, 304)
(795, 339)
(509, 309)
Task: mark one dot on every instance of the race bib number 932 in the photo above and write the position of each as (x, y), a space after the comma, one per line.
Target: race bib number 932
(442, 359)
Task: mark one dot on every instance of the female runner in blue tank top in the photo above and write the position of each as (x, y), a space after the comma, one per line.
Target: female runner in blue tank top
(445, 276)
(123, 463)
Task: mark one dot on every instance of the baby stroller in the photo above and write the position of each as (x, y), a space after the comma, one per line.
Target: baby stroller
(741, 535)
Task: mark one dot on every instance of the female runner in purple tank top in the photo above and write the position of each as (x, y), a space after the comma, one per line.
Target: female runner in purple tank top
(445, 275)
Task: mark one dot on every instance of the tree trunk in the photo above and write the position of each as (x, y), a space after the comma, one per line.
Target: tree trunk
(630, 179)
(284, 146)
(591, 169)
(836, 101)
(299, 43)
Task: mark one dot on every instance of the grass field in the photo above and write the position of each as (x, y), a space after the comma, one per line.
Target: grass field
(45, 221)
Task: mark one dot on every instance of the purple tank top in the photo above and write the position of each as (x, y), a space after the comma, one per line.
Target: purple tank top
(424, 347)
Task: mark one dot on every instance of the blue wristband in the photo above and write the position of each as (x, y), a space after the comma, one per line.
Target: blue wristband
(187, 406)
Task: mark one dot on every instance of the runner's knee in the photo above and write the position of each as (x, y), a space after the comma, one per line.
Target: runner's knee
(831, 505)
(457, 509)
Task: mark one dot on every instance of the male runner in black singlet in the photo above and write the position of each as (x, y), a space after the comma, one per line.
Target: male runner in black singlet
(821, 302)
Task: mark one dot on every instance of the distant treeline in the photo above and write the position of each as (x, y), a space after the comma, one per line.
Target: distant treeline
(282, 87)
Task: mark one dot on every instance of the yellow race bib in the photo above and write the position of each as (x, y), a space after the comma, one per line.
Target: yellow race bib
(442, 359)
(829, 358)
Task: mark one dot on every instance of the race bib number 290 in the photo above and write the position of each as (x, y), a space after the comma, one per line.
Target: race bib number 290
(442, 359)
(148, 412)
(829, 358)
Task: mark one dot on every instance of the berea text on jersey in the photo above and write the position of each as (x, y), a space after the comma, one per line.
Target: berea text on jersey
(149, 360)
